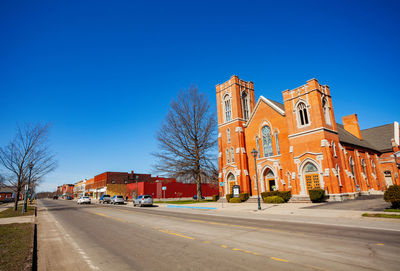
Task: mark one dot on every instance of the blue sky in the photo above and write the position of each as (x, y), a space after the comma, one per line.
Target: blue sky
(103, 72)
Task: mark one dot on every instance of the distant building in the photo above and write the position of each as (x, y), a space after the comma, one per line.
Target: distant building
(300, 146)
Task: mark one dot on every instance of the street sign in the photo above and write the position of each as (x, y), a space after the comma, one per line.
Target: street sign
(164, 188)
(221, 184)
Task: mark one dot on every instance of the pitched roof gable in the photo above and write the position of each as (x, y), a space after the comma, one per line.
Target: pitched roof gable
(278, 107)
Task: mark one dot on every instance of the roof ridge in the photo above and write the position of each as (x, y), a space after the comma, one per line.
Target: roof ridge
(377, 126)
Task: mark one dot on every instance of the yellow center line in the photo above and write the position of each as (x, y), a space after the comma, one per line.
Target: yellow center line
(101, 214)
(278, 259)
(224, 246)
(176, 234)
(380, 244)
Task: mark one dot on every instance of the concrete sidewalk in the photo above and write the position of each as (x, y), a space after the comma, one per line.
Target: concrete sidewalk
(16, 219)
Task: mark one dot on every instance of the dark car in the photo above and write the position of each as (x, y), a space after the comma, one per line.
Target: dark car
(69, 198)
(195, 197)
(55, 197)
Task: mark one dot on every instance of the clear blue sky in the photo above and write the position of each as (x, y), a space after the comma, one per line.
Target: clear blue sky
(103, 72)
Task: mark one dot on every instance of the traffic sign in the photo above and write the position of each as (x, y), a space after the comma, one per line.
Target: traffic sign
(221, 184)
(164, 188)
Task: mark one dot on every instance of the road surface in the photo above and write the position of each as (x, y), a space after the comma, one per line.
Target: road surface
(121, 238)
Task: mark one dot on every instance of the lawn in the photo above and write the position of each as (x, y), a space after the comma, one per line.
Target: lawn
(382, 215)
(392, 210)
(184, 201)
(11, 213)
(16, 246)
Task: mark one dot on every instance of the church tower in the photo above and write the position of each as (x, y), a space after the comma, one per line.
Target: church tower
(235, 102)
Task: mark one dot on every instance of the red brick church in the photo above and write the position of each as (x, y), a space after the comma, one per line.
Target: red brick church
(300, 145)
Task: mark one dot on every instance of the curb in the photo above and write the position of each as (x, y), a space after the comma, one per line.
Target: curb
(191, 207)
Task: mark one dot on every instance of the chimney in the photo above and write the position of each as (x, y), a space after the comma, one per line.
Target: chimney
(350, 124)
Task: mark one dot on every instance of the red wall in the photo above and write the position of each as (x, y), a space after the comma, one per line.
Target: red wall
(174, 189)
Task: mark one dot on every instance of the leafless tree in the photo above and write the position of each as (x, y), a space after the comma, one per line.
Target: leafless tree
(30, 147)
(187, 139)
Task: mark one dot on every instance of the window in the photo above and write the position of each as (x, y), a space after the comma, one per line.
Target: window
(302, 114)
(258, 146)
(373, 167)
(227, 156)
(326, 110)
(334, 149)
(245, 105)
(277, 143)
(227, 105)
(338, 174)
(351, 162)
(310, 168)
(233, 155)
(228, 135)
(267, 141)
(363, 167)
(289, 181)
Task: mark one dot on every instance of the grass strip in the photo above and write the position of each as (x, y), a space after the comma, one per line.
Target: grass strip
(392, 210)
(11, 213)
(184, 201)
(382, 215)
(16, 246)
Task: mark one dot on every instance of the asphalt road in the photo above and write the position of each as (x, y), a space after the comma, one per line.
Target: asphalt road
(120, 238)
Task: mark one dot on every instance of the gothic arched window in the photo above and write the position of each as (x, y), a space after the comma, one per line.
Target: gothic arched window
(302, 113)
(227, 156)
(258, 146)
(325, 108)
(373, 167)
(364, 166)
(277, 143)
(351, 162)
(228, 135)
(267, 141)
(245, 105)
(227, 108)
(233, 155)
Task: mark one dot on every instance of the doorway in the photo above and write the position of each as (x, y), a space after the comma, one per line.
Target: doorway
(312, 177)
(269, 181)
(388, 178)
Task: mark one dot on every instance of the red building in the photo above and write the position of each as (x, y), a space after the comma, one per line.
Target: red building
(173, 189)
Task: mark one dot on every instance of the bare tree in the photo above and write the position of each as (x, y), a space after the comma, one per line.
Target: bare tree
(27, 155)
(187, 139)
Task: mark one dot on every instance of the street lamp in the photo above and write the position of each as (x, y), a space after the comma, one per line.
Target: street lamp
(27, 187)
(254, 154)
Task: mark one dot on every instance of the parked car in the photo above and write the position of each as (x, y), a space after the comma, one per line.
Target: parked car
(55, 197)
(84, 200)
(143, 200)
(117, 200)
(69, 198)
(105, 199)
(195, 197)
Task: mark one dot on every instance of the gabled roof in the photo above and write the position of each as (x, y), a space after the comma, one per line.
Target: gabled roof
(347, 137)
(278, 107)
(380, 137)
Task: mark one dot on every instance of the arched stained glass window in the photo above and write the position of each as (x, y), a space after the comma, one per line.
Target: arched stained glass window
(351, 162)
(228, 135)
(227, 156)
(364, 166)
(310, 168)
(267, 141)
(232, 155)
(278, 151)
(258, 146)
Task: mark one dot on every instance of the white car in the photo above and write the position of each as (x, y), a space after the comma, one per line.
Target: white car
(84, 200)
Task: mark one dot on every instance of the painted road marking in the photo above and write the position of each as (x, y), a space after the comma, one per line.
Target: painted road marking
(315, 267)
(101, 214)
(380, 244)
(176, 234)
(278, 259)
(224, 246)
